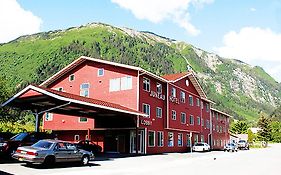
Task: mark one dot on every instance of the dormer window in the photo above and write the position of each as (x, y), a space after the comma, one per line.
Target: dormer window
(173, 92)
(159, 88)
(146, 84)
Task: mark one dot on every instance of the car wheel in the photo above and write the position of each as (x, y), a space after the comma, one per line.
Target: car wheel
(49, 161)
(85, 160)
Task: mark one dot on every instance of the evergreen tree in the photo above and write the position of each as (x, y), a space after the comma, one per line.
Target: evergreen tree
(264, 124)
(239, 127)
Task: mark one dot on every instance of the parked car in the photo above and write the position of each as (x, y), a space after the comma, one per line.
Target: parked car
(49, 152)
(89, 146)
(231, 147)
(22, 139)
(243, 144)
(201, 146)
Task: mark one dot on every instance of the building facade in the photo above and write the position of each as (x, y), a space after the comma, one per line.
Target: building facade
(178, 111)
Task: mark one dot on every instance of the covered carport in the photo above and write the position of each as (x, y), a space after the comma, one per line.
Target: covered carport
(40, 100)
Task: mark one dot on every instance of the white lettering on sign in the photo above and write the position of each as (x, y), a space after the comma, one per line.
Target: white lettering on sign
(146, 122)
(174, 100)
(157, 95)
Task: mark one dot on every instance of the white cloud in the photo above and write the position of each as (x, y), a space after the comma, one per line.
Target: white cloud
(15, 21)
(157, 11)
(256, 46)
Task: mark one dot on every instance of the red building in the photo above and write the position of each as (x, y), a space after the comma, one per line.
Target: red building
(178, 111)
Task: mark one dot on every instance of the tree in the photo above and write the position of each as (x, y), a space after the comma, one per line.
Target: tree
(239, 127)
(276, 131)
(276, 115)
(264, 124)
(251, 136)
(3, 96)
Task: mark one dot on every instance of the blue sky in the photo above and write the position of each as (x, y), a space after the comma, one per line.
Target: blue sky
(249, 30)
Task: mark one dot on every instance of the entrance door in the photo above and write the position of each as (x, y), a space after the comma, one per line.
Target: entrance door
(121, 143)
(133, 142)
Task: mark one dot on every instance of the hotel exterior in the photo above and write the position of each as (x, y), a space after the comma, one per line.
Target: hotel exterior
(125, 108)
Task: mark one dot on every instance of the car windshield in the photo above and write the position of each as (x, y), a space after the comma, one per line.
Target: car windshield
(43, 144)
(231, 144)
(199, 144)
(242, 141)
(19, 137)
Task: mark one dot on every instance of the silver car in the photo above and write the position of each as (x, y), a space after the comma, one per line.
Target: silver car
(230, 147)
(50, 151)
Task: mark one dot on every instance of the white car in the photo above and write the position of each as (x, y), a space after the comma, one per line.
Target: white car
(201, 146)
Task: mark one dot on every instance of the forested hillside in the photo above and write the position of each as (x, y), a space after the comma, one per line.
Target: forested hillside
(237, 88)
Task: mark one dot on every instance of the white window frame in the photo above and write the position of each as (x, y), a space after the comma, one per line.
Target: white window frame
(202, 136)
(126, 83)
(174, 115)
(158, 111)
(160, 138)
(146, 84)
(180, 138)
(79, 120)
(159, 88)
(190, 100)
(114, 84)
(50, 116)
(149, 145)
(198, 121)
(173, 92)
(76, 137)
(183, 116)
(191, 123)
(182, 97)
(83, 90)
(146, 106)
(188, 140)
(197, 102)
(207, 107)
(170, 144)
(100, 69)
(196, 138)
(69, 78)
(202, 122)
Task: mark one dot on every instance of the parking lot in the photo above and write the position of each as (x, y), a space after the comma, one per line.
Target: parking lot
(255, 161)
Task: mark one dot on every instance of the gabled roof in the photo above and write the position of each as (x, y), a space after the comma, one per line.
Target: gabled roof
(178, 76)
(171, 78)
(213, 109)
(76, 99)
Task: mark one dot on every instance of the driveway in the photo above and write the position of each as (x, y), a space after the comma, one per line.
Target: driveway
(254, 162)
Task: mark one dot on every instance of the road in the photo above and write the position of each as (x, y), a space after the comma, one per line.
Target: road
(254, 162)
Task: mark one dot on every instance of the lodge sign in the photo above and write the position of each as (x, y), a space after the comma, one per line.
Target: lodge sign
(157, 95)
(146, 122)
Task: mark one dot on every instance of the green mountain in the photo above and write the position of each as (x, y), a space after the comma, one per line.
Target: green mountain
(237, 88)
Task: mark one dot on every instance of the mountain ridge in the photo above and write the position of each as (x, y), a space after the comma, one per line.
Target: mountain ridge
(237, 88)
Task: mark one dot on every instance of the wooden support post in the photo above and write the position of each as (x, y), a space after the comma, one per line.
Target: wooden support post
(37, 121)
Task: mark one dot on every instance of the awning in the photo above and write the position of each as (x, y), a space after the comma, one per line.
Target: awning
(40, 99)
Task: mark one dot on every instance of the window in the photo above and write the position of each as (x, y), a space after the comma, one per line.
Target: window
(159, 88)
(202, 122)
(126, 83)
(146, 109)
(220, 129)
(182, 97)
(190, 100)
(208, 124)
(197, 102)
(48, 116)
(100, 72)
(202, 105)
(213, 114)
(71, 77)
(214, 128)
(160, 141)
(174, 115)
(207, 107)
(59, 89)
(170, 139)
(202, 138)
(214, 143)
(114, 85)
(84, 89)
(188, 142)
(217, 116)
(146, 84)
(191, 120)
(173, 92)
(151, 138)
(159, 112)
(217, 128)
(76, 137)
(83, 119)
(196, 137)
(183, 118)
(198, 120)
(180, 140)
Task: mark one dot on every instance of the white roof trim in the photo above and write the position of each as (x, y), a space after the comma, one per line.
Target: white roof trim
(221, 112)
(199, 85)
(67, 99)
